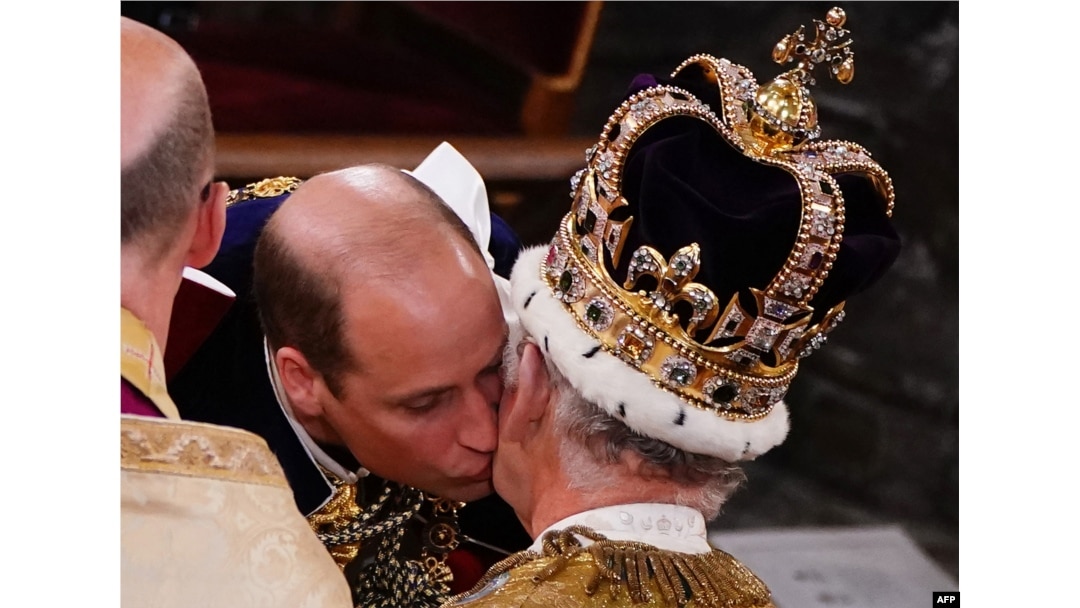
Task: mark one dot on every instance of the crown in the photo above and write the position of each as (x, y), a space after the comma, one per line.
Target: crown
(735, 356)
(783, 115)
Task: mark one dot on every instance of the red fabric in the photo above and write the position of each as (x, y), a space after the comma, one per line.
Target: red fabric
(370, 68)
(538, 35)
(468, 568)
(196, 311)
(132, 401)
(305, 79)
(254, 98)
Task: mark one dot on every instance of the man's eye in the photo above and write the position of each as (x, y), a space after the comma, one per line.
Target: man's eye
(425, 403)
(421, 406)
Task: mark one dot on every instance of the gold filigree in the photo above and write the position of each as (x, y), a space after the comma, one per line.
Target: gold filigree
(267, 188)
(829, 46)
(346, 527)
(783, 114)
(441, 535)
(197, 450)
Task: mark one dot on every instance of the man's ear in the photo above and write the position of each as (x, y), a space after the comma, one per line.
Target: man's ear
(307, 393)
(300, 381)
(209, 227)
(529, 403)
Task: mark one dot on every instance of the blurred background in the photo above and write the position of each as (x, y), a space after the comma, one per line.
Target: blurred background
(522, 89)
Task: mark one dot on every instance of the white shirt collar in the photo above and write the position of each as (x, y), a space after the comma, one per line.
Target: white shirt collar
(665, 526)
(314, 451)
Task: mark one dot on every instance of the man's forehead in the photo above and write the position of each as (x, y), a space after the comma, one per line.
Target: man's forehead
(361, 186)
(346, 208)
(441, 285)
(437, 296)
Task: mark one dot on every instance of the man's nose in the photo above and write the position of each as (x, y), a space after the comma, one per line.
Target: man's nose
(479, 429)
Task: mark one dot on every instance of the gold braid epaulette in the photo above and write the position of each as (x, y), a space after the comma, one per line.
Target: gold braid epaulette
(334, 517)
(267, 188)
(615, 573)
(392, 580)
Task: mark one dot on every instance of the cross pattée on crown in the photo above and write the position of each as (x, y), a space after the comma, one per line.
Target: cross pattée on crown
(592, 212)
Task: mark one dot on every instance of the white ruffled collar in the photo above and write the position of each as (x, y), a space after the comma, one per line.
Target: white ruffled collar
(316, 453)
(665, 526)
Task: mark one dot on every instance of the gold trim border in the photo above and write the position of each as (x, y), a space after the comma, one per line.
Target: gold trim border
(192, 449)
(592, 285)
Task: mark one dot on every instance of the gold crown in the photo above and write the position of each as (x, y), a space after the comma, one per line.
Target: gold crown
(783, 114)
(747, 359)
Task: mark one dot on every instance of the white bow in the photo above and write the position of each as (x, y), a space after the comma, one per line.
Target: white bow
(458, 183)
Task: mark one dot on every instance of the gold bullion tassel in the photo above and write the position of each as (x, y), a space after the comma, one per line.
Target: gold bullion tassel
(330, 521)
(638, 569)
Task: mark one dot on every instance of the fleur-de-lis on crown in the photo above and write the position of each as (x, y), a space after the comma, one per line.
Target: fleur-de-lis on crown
(674, 284)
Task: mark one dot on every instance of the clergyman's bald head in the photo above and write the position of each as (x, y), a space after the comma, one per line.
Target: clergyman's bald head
(372, 222)
(166, 135)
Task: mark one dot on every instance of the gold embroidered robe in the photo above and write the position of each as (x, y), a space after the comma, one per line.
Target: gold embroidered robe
(207, 519)
(614, 574)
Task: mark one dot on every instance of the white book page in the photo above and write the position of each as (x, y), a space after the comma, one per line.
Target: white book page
(197, 276)
(878, 567)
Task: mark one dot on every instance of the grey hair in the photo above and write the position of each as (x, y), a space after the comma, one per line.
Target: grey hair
(592, 440)
(161, 188)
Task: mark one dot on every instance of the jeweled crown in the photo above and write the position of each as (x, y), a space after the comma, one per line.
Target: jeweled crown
(735, 356)
(783, 114)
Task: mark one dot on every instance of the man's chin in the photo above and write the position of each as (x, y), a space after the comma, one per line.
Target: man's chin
(470, 492)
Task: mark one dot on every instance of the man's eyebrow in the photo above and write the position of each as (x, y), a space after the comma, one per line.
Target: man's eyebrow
(497, 360)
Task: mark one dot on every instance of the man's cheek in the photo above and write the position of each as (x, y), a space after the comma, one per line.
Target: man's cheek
(492, 388)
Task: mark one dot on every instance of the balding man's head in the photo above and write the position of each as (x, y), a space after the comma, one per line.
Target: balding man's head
(370, 217)
(385, 328)
(371, 224)
(166, 136)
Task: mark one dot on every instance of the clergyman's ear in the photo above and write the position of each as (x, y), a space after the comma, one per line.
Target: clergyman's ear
(210, 226)
(529, 403)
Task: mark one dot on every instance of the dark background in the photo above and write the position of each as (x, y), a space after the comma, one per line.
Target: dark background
(875, 435)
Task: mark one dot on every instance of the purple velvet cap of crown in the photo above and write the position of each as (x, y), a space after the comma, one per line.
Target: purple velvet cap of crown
(684, 184)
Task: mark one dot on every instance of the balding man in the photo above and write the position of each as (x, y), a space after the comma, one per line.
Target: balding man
(397, 342)
(366, 349)
(171, 213)
(207, 518)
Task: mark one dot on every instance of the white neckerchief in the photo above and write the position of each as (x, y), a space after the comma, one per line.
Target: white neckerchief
(314, 451)
(664, 526)
(450, 175)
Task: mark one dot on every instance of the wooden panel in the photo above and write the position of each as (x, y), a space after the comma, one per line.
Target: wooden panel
(496, 158)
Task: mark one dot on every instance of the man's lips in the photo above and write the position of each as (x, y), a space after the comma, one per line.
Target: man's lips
(482, 475)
